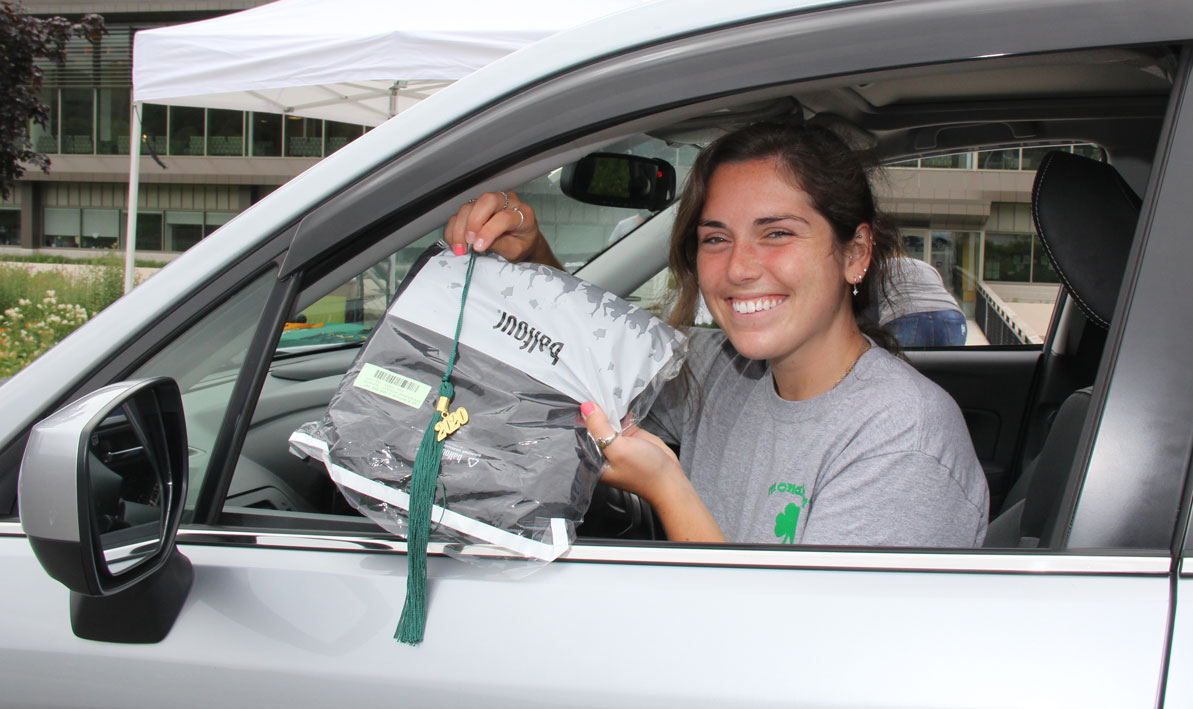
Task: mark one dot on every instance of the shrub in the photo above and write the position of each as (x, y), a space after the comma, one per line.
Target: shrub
(30, 328)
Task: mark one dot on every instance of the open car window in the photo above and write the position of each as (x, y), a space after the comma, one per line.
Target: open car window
(963, 209)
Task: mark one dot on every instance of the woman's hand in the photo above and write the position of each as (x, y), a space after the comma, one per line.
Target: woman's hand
(500, 222)
(639, 462)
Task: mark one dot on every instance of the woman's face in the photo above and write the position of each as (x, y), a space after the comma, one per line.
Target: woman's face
(768, 268)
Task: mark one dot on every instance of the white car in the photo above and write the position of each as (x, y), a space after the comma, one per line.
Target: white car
(290, 598)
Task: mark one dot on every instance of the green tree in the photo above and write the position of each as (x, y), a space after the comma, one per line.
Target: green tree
(23, 40)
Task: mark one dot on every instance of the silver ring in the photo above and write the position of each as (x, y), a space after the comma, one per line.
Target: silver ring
(521, 216)
(472, 200)
(507, 201)
(603, 443)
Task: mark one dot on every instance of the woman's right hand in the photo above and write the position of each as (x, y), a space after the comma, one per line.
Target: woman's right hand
(500, 222)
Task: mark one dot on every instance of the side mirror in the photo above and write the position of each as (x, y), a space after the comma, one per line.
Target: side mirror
(617, 180)
(101, 491)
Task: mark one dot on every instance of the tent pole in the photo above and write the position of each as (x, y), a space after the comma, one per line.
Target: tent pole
(134, 183)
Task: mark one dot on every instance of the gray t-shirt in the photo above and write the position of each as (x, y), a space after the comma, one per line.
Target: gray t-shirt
(882, 459)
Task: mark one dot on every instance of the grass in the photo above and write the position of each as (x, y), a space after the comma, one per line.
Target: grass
(94, 290)
(66, 260)
(39, 309)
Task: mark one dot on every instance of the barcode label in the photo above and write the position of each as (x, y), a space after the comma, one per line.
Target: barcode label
(392, 385)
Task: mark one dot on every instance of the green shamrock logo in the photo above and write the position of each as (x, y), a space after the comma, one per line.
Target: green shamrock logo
(786, 523)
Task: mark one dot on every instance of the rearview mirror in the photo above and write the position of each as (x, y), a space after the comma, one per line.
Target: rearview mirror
(617, 180)
(101, 491)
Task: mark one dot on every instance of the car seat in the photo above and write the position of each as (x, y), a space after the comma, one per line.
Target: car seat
(1085, 214)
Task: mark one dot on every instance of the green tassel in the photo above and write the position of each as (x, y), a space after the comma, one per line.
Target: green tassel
(422, 495)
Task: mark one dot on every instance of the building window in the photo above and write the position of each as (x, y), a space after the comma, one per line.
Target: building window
(101, 228)
(267, 134)
(215, 220)
(111, 121)
(10, 227)
(340, 134)
(186, 130)
(77, 121)
(304, 137)
(954, 161)
(1041, 267)
(45, 138)
(999, 159)
(225, 132)
(153, 127)
(149, 231)
(183, 230)
(1008, 257)
(61, 226)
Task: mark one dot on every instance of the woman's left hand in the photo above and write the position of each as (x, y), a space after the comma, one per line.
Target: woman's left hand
(640, 462)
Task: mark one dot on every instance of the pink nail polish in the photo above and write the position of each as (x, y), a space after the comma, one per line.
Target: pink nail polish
(459, 249)
(587, 408)
(470, 236)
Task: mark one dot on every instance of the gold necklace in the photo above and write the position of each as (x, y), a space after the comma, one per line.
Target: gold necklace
(865, 348)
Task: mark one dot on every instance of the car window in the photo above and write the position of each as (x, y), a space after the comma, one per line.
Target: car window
(964, 214)
(205, 360)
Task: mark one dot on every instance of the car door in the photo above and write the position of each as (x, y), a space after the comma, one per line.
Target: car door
(298, 608)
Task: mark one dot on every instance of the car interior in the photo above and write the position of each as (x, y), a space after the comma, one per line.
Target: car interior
(1025, 404)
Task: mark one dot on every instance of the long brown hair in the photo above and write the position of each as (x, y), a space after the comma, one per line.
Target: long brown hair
(836, 178)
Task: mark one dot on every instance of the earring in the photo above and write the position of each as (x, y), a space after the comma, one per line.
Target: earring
(858, 280)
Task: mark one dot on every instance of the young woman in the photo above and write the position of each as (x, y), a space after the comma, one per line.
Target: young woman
(794, 426)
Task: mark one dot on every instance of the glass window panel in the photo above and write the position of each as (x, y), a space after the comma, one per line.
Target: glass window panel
(340, 134)
(10, 227)
(186, 130)
(1033, 156)
(1042, 270)
(999, 159)
(77, 117)
(61, 223)
(1008, 257)
(957, 161)
(204, 360)
(111, 121)
(45, 138)
(215, 220)
(153, 126)
(267, 134)
(304, 137)
(225, 132)
(101, 228)
(1091, 151)
(149, 231)
(905, 163)
(913, 244)
(183, 230)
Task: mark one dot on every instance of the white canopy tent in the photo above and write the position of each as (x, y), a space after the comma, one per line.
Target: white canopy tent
(355, 61)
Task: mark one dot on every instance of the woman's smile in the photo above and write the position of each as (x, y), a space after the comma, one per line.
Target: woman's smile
(751, 305)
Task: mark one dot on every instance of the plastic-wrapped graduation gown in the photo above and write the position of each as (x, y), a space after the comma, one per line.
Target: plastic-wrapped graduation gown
(535, 343)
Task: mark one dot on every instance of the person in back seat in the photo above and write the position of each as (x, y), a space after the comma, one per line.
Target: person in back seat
(795, 425)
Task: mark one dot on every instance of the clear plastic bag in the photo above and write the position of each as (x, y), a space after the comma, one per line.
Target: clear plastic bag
(535, 343)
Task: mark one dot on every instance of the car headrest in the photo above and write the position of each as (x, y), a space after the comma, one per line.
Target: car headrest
(1085, 214)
